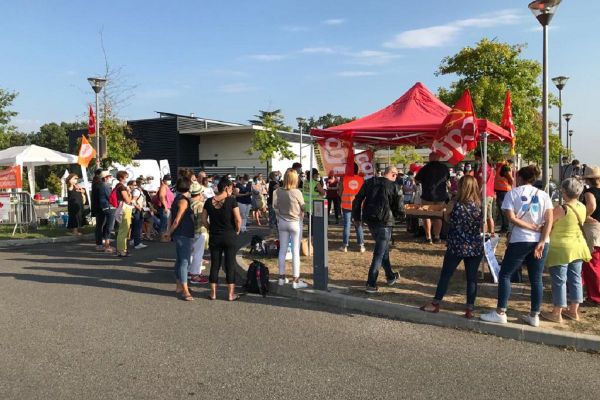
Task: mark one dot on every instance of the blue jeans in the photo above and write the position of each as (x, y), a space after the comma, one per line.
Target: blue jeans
(183, 249)
(451, 262)
(381, 254)
(137, 221)
(566, 282)
(108, 225)
(515, 256)
(163, 215)
(360, 236)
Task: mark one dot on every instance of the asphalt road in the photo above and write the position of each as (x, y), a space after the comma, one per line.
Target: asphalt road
(75, 324)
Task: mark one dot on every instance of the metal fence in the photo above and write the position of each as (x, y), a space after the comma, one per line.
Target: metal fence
(233, 171)
(21, 211)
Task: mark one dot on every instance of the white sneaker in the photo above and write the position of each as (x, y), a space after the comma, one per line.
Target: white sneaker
(533, 321)
(494, 317)
(282, 281)
(299, 285)
(140, 246)
(344, 249)
(362, 248)
(131, 242)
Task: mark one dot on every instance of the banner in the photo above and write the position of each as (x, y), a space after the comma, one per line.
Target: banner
(507, 121)
(86, 152)
(10, 178)
(332, 155)
(458, 134)
(4, 206)
(92, 123)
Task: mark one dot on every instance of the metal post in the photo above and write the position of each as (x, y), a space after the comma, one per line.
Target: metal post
(320, 256)
(545, 139)
(300, 144)
(310, 197)
(560, 164)
(567, 137)
(484, 180)
(98, 156)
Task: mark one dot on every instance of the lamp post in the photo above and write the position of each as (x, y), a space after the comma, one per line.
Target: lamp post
(97, 84)
(544, 10)
(567, 117)
(301, 122)
(560, 82)
(570, 140)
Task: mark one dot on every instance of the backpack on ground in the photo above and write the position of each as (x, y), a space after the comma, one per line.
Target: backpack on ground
(112, 199)
(377, 207)
(258, 246)
(257, 278)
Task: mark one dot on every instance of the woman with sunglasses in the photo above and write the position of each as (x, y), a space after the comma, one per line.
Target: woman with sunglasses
(529, 211)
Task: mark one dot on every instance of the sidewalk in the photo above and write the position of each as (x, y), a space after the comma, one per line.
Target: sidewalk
(339, 297)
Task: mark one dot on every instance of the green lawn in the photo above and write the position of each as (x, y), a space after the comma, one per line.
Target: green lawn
(41, 232)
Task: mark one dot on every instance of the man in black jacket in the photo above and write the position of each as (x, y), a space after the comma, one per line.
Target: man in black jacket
(377, 204)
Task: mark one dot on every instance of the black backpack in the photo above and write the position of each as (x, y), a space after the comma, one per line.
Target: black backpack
(258, 245)
(376, 208)
(257, 278)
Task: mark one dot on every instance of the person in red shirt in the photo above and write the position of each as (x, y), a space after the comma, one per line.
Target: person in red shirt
(490, 194)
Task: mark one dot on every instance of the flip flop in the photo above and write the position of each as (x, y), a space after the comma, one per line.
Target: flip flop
(186, 297)
(211, 298)
(568, 315)
(236, 298)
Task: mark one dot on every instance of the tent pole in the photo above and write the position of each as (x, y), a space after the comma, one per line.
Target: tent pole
(310, 196)
(484, 184)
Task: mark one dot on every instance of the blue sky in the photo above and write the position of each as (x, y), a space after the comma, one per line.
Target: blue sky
(226, 60)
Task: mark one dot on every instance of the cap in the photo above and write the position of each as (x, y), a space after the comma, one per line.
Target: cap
(104, 174)
(196, 189)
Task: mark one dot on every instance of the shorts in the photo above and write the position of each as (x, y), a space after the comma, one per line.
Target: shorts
(489, 205)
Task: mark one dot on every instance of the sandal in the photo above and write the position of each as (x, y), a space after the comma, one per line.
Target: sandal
(435, 308)
(211, 298)
(186, 297)
(550, 317)
(236, 298)
(469, 314)
(570, 316)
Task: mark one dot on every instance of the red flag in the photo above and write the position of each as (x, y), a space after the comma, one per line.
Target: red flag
(92, 123)
(507, 120)
(458, 134)
(86, 152)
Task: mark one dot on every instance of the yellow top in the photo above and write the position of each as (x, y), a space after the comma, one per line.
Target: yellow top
(567, 243)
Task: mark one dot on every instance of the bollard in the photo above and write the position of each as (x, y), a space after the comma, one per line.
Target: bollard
(320, 244)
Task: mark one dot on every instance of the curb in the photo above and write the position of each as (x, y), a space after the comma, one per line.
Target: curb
(336, 298)
(11, 243)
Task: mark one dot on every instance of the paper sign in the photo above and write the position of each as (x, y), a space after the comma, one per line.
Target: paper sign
(4, 207)
(10, 178)
(490, 256)
(318, 209)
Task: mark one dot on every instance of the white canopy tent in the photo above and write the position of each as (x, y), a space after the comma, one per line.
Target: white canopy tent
(32, 156)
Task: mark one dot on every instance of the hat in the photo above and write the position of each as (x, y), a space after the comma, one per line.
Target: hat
(166, 177)
(591, 172)
(104, 174)
(196, 189)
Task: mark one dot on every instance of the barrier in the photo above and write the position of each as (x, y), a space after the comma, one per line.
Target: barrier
(18, 209)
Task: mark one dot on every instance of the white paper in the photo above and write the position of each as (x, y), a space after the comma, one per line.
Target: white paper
(490, 256)
(4, 207)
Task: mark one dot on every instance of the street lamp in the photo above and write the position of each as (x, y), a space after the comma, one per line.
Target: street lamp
(567, 118)
(570, 140)
(301, 122)
(544, 10)
(97, 84)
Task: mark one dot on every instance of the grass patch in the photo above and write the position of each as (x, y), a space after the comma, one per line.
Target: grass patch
(40, 233)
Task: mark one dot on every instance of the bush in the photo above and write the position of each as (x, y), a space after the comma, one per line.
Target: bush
(54, 184)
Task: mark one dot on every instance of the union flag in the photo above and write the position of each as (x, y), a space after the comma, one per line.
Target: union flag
(92, 123)
(507, 120)
(86, 152)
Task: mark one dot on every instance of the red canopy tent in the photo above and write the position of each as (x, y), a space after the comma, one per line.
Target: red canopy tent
(413, 119)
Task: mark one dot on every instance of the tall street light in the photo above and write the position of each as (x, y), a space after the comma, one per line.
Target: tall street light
(544, 10)
(97, 85)
(570, 139)
(560, 82)
(567, 117)
(301, 122)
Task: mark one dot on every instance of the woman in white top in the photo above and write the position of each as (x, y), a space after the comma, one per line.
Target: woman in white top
(288, 204)
(529, 211)
(208, 192)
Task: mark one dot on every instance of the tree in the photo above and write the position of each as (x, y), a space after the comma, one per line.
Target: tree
(405, 155)
(268, 141)
(8, 132)
(121, 147)
(488, 70)
(325, 121)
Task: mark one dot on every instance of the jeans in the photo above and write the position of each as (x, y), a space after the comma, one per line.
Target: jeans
(566, 282)
(183, 251)
(289, 232)
(272, 217)
(515, 256)
(108, 225)
(244, 210)
(347, 219)
(100, 217)
(503, 219)
(451, 262)
(163, 215)
(334, 204)
(137, 220)
(381, 254)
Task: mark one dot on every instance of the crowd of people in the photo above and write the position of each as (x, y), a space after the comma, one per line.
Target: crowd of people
(200, 209)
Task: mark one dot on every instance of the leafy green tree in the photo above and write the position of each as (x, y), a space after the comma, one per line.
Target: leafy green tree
(490, 69)
(325, 121)
(405, 155)
(121, 147)
(268, 141)
(7, 131)
(53, 183)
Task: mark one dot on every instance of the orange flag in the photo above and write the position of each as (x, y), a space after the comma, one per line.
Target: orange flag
(86, 152)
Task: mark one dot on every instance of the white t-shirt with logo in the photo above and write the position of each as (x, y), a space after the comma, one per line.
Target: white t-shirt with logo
(529, 205)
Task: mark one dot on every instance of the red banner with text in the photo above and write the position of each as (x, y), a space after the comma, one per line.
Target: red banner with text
(332, 155)
(10, 178)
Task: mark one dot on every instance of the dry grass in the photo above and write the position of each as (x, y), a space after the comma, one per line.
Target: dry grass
(419, 265)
